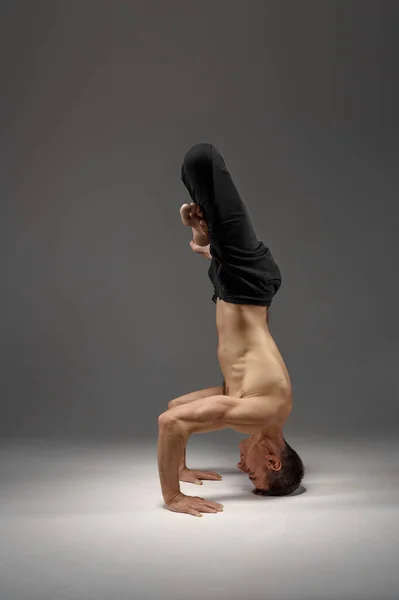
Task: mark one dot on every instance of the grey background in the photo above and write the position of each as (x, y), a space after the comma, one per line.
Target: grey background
(106, 314)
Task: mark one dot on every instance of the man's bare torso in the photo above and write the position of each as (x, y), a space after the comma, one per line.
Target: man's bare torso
(249, 359)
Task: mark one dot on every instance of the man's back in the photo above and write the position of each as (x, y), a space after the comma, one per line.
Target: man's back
(248, 356)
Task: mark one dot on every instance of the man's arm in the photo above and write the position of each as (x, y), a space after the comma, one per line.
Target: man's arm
(248, 415)
(172, 440)
(191, 397)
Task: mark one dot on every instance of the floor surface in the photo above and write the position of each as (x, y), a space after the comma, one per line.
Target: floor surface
(86, 521)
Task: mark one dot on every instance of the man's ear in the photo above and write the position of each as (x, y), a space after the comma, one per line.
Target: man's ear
(273, 462)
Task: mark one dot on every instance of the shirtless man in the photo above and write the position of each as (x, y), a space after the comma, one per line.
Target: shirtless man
(256, 396)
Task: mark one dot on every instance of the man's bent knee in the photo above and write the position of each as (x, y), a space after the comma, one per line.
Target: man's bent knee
(197, 157)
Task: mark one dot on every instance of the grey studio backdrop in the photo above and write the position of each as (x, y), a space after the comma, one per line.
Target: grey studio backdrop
(106, 313)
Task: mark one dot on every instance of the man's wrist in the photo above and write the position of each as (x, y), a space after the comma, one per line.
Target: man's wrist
(170, 496)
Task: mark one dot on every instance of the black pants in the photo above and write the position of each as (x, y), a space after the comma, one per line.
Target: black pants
(243, 270)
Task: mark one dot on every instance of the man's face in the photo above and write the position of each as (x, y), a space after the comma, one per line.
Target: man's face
(253, 462)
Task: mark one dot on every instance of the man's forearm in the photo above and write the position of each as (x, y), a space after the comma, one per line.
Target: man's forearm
(172, 441)
(182, 464)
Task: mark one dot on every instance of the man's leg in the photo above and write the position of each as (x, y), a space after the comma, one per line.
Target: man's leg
(197, 395)
(243, 266)
(210, 185)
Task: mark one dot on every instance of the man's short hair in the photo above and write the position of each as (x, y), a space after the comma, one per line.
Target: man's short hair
(288, 479)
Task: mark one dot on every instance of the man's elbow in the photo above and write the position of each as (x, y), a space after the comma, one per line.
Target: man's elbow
(167, 420)
(163, 420)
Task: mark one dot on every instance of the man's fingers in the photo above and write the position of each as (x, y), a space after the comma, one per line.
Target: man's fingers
(217, 506)
(205, 506)
(208, 475)
(194, 505)
(207, 503)
(208, 507)
(193, 480)
(189, 510)
(195, 476)
(190, 478)
(202, 507)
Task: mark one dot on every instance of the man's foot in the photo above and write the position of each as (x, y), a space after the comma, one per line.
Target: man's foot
(204, 250)
(192, 216)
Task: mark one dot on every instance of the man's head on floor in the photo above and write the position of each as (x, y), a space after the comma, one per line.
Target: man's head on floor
(274, 468)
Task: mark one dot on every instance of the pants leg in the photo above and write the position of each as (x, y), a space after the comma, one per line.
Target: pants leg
(210, 185)
(243, 266)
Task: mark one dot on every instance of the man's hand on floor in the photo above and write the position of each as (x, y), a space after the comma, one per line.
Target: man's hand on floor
(193, 505)
(193, 476)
